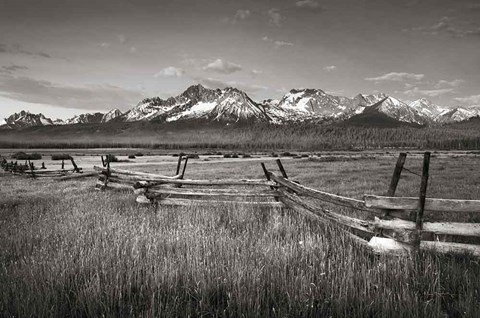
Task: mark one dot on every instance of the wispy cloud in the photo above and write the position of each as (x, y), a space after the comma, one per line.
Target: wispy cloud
(471, 100)
(30, 90)
(446, 25)
(122, 38)
(396, 77)
(308, 4)
(330, 68)
(240, 15)
(18, 49)
(10, 69)
(274, 17)
(222, 66)
(216, 83)
(170, 71)
(428, 92)
(452, 83)
(277, 43)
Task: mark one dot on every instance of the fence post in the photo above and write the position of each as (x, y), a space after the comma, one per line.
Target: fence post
(184, 168)
(63, 164)
(75, 167)
(179, 163)
(282, 169)
(31, 168)
(395, 178)
(422, 196)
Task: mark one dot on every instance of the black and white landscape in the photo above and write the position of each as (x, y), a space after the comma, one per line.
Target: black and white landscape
(253, 158)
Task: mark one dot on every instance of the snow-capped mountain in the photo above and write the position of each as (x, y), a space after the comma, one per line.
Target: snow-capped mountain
(426, 108)
(89, 118)
(315, 103)
(457, 115)
(399, 110)
(231, 105)
(26, 119)
(111, 115)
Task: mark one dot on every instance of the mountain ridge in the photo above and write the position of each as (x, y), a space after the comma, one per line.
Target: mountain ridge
(231, 105)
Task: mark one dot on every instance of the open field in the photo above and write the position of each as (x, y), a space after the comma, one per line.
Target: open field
(67, 250)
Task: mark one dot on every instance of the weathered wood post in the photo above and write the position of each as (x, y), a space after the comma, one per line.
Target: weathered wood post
(184, 168)
(179, 164)
(395, 177)
(32, 168)
(422, 196)
(75, 167)
(63, 164)
(282, 169)
(43, 166)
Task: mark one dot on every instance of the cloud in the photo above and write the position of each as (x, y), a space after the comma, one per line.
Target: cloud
(170, 71)
(274, 16)
(222, 66)
(277, 43)
(446, 84)
(104, 44)
(216, 83)
(121, 38)
(240, 15)
(474, 99)
(308, 4)
(397, 77)
(428, 92)
(446, 26)
(330, 68)
(91, 97)
(10, 69)
(18, 49)
(256, 72)
(133, 49)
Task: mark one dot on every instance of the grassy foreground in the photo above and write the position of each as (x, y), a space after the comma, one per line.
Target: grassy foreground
(66, 250)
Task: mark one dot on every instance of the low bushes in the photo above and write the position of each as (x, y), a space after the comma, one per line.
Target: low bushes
(26, 156)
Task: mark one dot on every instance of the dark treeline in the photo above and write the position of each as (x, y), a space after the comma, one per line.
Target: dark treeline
(306, 137)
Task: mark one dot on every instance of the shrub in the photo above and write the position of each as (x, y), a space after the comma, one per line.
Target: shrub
(275, 155)
(286, 154)
(227, 155)
(25, 156)
(193, 156)
(139, 154)
(234, 155)
(246, 155)
(112, 158)
(61, 156)
(131, 157)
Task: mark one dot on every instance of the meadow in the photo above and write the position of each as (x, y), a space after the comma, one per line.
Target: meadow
(68, 250)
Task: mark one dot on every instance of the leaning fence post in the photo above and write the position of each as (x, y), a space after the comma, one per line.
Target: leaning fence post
(179, 163)
(282, 169)
(184, 168)
(75, 167)
(32, 168)
(422, 196)
(395, 177)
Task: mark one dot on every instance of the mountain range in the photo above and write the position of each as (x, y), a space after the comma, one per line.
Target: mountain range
(231, 105)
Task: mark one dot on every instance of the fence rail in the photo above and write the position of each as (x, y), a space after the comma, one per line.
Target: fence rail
(392, 224)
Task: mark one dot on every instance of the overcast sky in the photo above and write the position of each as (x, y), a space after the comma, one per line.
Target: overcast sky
(64, 57)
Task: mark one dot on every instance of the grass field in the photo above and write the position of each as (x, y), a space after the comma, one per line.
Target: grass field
(67, 250)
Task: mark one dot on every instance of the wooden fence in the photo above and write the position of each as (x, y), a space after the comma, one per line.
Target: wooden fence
(389, 224)
(30, 170)
(113, 178)
(393, 224)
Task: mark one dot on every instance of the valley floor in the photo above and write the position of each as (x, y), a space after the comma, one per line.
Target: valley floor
(67, 250)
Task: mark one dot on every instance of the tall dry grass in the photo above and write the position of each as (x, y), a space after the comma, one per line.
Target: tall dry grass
(74, 252)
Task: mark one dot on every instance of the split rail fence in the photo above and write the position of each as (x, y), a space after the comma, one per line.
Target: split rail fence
(30, 170)
(388, 224)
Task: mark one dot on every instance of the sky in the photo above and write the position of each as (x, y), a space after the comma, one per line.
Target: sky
(65, 57)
